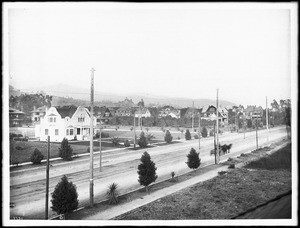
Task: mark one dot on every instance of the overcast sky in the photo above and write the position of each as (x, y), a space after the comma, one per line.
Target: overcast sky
(178, 50)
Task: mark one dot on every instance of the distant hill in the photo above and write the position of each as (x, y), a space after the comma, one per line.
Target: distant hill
(67, 95)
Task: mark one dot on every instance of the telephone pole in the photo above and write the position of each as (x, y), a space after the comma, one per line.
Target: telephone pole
(134, 130)
(47, 180)
(199, 128)
(91, 141)
(256, 134)
(193, 118)
(217, 151)
(267, 119)
(100, 144)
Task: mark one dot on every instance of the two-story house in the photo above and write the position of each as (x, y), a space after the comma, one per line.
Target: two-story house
(65, 122)
(209, 113)
(37, 114)
(16, 117)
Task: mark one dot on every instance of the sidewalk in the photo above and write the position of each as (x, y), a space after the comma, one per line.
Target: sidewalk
(126, 207)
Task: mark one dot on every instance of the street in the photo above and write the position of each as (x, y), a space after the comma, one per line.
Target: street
(27, 185)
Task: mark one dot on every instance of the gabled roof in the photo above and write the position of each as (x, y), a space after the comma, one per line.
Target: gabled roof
(66, 111)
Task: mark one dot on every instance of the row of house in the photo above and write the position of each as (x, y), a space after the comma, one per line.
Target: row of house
(71, 122)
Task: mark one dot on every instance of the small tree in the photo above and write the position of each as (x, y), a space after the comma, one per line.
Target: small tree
(36, 156)
(64, 197)
(204, 132)
(193, 159)
(142, 142)
(115, 141)
(65, 150)
(127, 143)
(188, 135)
(146, 171)
(168, 137)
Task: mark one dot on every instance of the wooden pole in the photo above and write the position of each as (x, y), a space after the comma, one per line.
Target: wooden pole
(134, 136)
(256, 135)
(193, 118)
(47, 180)
(91, 141)
(100, 146)
(199, 128)
(217, 152)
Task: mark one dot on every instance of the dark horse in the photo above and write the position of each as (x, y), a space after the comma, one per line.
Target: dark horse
(224, 148)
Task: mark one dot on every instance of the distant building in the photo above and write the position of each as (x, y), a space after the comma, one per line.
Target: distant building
(37, 114)
(16, 117)
(169, 111)
(209, 113)
(142, 113)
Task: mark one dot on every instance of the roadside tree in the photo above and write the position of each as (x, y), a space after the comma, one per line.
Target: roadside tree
(36, 156)
(188, 135)
(146, 171)
(65, 150)
(64, 197)
(204, 132)
(142, 142)
(168, 137)
(193, 159)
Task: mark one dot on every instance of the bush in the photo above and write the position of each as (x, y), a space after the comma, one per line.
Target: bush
(36, 156)
(112, 193)
(168, 137)
(193, 159)
(188, 135)
(211, 132)
(64, 197)
(127, 143)
(231, 166)
(204, 132)
(146, 171)
(142, 142)
(115, 141)
(65, 150)
(196, 136)
(20, 148)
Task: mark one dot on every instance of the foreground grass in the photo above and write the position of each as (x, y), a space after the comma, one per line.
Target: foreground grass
(224, 196)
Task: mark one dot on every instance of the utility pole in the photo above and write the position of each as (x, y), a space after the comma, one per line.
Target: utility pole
(267, 119)
(256, 135)
(193, 118)
(199, 128)
(47, 180)
(217, 152)
(91, 141)
(134, 136)
(100, 146)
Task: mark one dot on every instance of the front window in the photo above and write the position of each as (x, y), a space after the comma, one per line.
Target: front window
(46, 131)
(71, 131)
(67, 131)
(80, 119)
(56, 131)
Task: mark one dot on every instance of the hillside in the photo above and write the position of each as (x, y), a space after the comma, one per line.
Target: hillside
(67, 95)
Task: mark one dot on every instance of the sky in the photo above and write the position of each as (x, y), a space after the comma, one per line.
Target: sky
(177, 50)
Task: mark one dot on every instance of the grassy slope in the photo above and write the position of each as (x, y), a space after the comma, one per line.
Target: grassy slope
(226, 195)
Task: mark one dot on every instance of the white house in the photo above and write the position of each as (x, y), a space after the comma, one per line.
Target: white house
(65, 122)
(144, 112)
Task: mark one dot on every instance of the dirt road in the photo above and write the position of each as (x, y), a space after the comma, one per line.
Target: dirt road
(27, 184)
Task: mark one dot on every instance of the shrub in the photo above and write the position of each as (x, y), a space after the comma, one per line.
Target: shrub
(20, 148)
(64, 197)
(173, 179)
(222, 172)
(142, 142)
(204, 132)
(65, 150)
(112, 193)
(127, 143)
(36, 156)
(115, 141)
(146, 171)
(168, 137)
(188, 135)
(75, 138)
(196, 136)
(231, 166)
(193, 159)
(211, 132)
